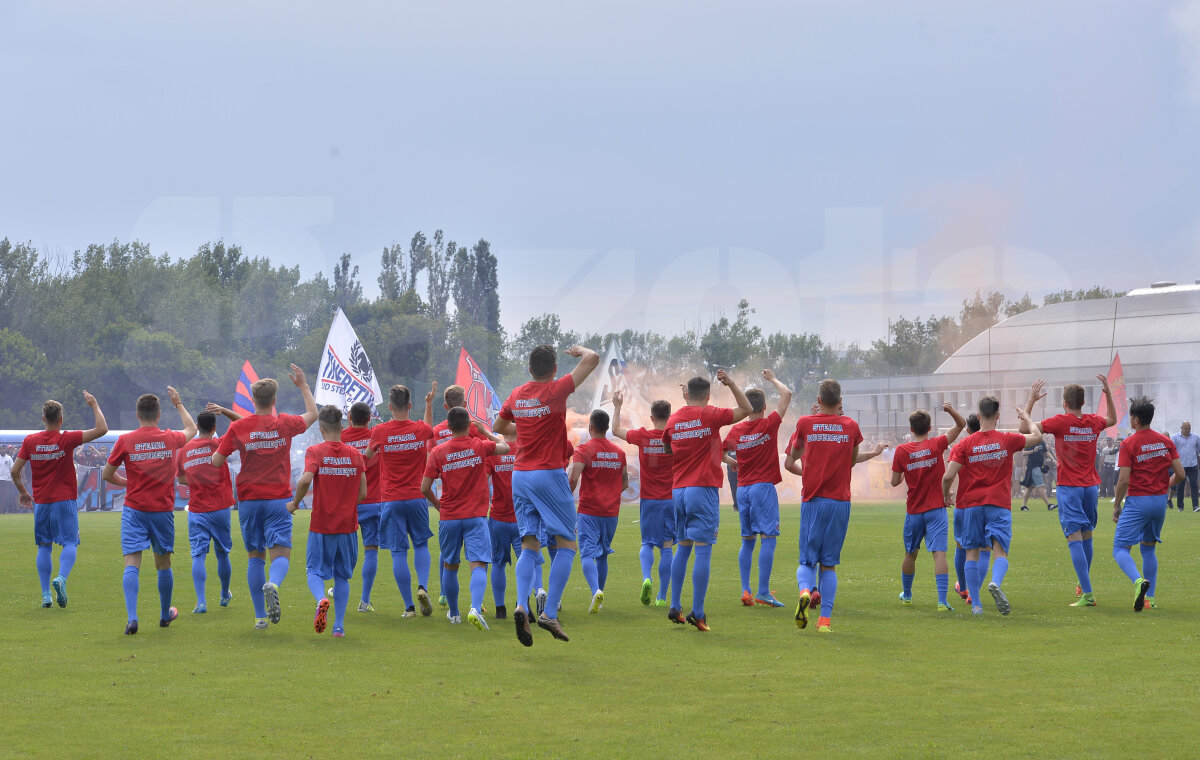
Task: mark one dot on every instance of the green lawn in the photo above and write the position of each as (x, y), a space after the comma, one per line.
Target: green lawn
(892, 681)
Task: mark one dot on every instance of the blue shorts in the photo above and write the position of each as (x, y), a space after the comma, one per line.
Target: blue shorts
(984, 525)
(932, 526)
(205, 527)
(265, 523)
(469, 534)
(331, 555)
(1141, 521)
(147, 530)
(823, 524)
(958, 525)
(368, 522)
(1036, 477)
(401, 520)
(544, 504)
(506, 541)
(758, 509)
(697, 514)
(656, 519)
(596, 535)
(1077, 508)
(56, 523)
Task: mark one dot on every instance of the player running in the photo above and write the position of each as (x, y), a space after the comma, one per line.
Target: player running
(656, 510)
(542, 499)
(210, 499)
(693, 438)
(502, 522)
(148, 455)
(960, 554)
(264, 487)
(51, 457)
(358, 436)
(1075, 435)
(338, 475)
(1143, 485)
(598, 470)
(755, 442)
(919, 464)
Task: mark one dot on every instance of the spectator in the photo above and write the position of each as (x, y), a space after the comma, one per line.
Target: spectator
(1187, 444)
(8, 491)
(1034, 481)
(1107, 464)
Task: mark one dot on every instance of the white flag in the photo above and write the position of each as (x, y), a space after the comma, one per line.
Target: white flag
(346, 374)
(612, 377)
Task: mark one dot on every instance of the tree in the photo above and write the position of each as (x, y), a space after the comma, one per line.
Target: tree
(347, 290)
(729, 344)
(24, 375)
(19, 277)
(1088, 294)
(393, 273)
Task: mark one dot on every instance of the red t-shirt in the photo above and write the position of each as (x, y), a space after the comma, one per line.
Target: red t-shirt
(499, 468)
(1148, 455)
(209, 486)
(459, 463)
(654, 463)
(359, 439)
(826, 458)
(540, 412)
(337, 474)
(404, 446)
(148, 454)
(264, 443)
(923, 468)
(442, 433)
(756, 443)
(50, 454)
(600, 482)
(1075, 446)
(694, 433)
(986, 475)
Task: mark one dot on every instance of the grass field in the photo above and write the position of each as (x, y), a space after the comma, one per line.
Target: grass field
(892, 681)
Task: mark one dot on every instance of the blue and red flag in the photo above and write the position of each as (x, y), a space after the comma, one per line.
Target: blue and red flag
(482, 401)
(242, 403)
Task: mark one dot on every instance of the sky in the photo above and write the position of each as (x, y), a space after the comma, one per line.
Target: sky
(633, 165)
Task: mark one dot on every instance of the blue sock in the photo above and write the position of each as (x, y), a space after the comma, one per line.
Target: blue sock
(960, 571)
(256, 577)
(526, 566)
(450, 588)
(943, 585)
(745, 559)
(700, 572)
(1150, 567)
(678, 572)
(985, 557)
(551, 551)
(646, 556)
(828, 591)
(590, 575)
(224, 571)
(199, 577)
(971, 568)
(664, 572)
(1079, 560)
(166, 583)
(341, 596)
(403, 577)
(129, 582)
(369, 569)
(538, 562)
(478, 585)
(66, 560)
(805, 577)
(499, 584)
(999, 570)
(1087, 550)
(905, 580)
(279, 570)
(316, 586)
(560, 573)
(1126, 563)
(766, 559)
(421, 563)
(602, 570)
(44, 567)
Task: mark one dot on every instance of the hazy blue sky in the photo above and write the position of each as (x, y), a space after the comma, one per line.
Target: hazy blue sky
(634, 164)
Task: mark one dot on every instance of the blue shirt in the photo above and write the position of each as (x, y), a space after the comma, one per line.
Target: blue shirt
(1188, 448)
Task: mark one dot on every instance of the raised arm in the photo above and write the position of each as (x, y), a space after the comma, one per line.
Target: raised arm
(189, 425)
(306, 479)
(310, 404)
(743, 410)
(1037, 392)
(960, 422)
(785, 393)
(588, 361)
(617, 430)
(429, 397)
(1110, 408)
(100, 427)
(216, 408)
(1034, 438)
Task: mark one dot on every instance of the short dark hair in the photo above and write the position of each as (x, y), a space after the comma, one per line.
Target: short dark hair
(1142, 407)
(542, 361)
(360, 413)
(757, 398)
(263, 392)
(599, 421)
(698, 388)
(206, 422)
(147, 407)
(919, 422)
(973, 422)
(455, 396)
(1073, 396)
(829, 392)
(330, 417)
(458, 420)
(989, 407)
(399, 396)
(661, 410)
(52, 411)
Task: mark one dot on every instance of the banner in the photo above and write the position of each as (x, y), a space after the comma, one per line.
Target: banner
(482, 401)
(242, 403)
(346, 375)
(1116, 382)
(612, 377)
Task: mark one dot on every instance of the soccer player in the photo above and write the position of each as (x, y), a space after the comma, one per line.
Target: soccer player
(264, 487)
(403, 445)
(1145, 459)
(462, 510)
(984, 460)
(542, 498)
(755, 442)
(919, 465)
(454, 397)
(502, 521)
(598, 470)
(210, 498)
(1075, 435)
(656, 511)
(148, 519)
(358, 436)
(693, 438)
(960, 554)
(50, 455)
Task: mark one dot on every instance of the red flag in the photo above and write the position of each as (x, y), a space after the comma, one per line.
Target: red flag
(242, 403)
(482, 401)
(1116, 382)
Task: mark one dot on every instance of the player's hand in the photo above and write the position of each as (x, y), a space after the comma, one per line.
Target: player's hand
(1022, 414)
(26, 501)
(174, 396)
(1103, 382)
(1116, 512)
(90, 400)
(732, 465)
(575, 351)
(429, 397)
(214, 408)
(815, 408)
(723, 378)
(683, 390)
(618, 399)
(768, 375)
(1038, 390)
(950, 500)
(292, 506)
(947, 407)
(880, 448)
(297, 376)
